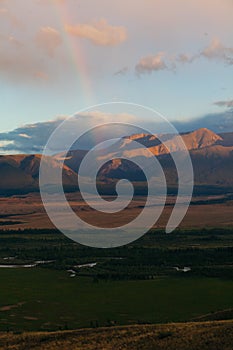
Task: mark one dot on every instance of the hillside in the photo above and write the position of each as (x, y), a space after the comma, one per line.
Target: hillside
(20, 173)
(191, 336)
(211, 155)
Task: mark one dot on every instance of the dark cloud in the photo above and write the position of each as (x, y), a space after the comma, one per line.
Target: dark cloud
(228, 104)
(32, 138)
(122, 71)
(217, 122)
(27, 139)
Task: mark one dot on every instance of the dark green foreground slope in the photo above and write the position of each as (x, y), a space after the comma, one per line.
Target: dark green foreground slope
(141, 283)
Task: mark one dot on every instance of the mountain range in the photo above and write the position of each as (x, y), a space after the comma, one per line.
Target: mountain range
(211, 155)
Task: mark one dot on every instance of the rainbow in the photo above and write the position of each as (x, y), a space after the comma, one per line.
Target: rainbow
(76, 53)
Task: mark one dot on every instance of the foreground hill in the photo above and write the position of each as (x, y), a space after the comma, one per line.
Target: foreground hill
(191, 336)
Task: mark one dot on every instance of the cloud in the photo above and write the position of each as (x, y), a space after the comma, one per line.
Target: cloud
(32, 138)
(150, 64)
(214, 51)
(217, 122)
(26, 136)
(122, 71)
(99, 33)
(162, 60)
(184, 58)
(40, 75)
(48, 39)
(19, 63)
(228, 104)
(27, 139)
(7, 15)
(52, 1)
(217, 51)
(15, 41)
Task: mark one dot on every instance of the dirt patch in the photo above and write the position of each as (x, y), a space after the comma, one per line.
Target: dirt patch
(30, 318)
(10, 307)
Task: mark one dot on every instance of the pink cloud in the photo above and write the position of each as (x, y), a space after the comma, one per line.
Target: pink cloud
(48, 39)
(151, 63)
(216, 50)
(100, 33)
(11, 18)
(19, 62)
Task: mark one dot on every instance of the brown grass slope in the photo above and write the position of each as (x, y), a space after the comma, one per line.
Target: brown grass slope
(187, 336)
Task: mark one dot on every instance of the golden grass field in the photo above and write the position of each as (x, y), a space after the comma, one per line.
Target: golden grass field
(186, 336)
(29, 211)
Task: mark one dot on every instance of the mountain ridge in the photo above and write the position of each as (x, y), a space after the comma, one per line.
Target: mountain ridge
(211, 155)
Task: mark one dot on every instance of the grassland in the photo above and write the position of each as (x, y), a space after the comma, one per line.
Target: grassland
(44, 299)
(28, 212)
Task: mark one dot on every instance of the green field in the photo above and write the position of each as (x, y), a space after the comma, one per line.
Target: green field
(43, 299)
(139, 283)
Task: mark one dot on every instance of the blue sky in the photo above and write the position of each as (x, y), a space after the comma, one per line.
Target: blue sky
(59, 56)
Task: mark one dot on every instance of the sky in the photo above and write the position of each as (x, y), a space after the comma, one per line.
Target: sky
(61, 56)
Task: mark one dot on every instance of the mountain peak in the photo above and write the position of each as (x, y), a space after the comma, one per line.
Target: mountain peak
(200, 138)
